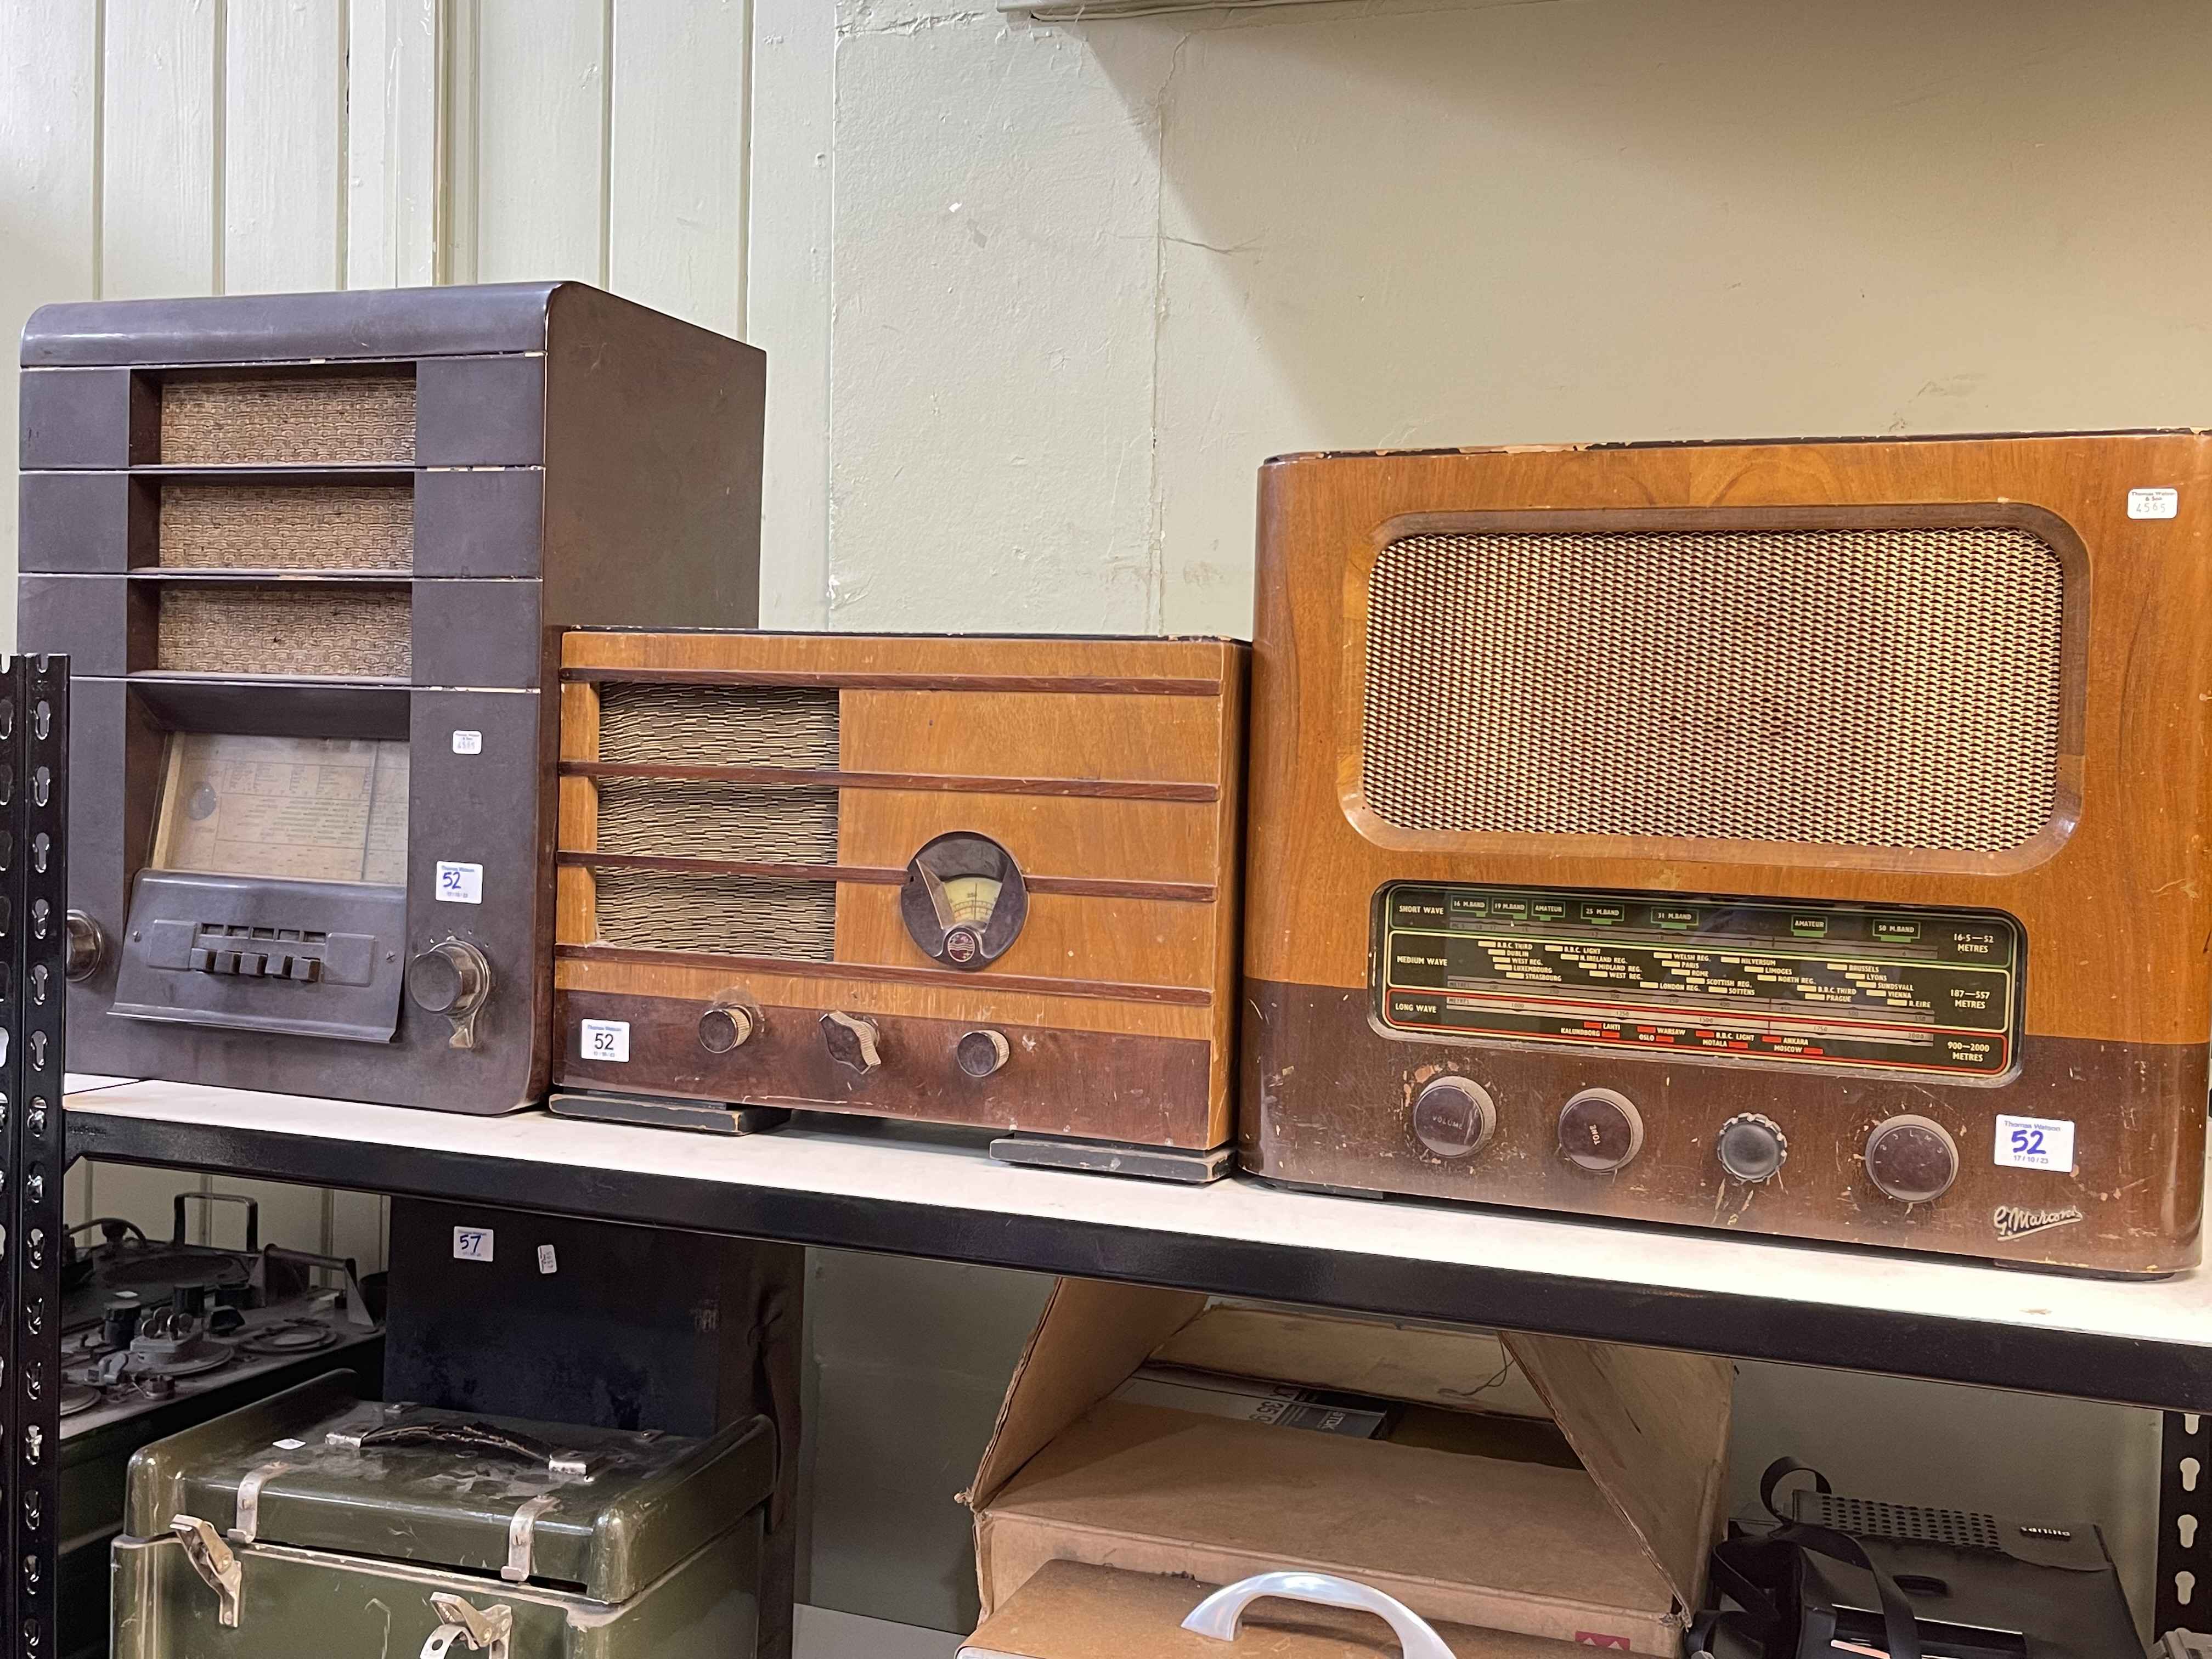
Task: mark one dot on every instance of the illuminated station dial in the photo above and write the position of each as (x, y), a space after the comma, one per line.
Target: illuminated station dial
(964, 900)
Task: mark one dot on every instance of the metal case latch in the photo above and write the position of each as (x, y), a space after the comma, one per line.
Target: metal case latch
(212, 1559)
(485, 1630)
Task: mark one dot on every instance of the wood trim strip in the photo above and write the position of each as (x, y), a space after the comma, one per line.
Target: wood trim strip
(793, 777)
(1172, 892)
(1185, 996)
(1086, 684)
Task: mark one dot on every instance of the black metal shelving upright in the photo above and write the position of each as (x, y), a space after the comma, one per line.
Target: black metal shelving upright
(33, 916)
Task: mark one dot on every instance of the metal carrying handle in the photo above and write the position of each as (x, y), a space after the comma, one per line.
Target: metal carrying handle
(1218, 1615)
(356, 1305)
(252, 1215)
(479, 1437)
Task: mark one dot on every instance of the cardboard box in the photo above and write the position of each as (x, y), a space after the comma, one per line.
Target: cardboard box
(1066, 1611)
(1475, 1528)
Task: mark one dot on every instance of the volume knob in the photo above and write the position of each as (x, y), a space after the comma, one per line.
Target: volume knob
(88, 945)
(725, 1027)
(1454, 1117)
(981, 1053)
(452, 978)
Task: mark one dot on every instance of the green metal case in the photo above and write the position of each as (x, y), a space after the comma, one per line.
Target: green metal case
(314, 1523)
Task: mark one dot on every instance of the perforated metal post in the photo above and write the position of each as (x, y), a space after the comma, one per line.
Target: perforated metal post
(33, 919)
(2184, 1504)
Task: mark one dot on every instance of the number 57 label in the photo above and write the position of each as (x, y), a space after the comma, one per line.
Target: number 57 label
(2035, 1143)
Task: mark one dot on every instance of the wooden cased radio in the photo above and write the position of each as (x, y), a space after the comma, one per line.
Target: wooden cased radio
(981, 881)
(311, 555)
(1797, 837)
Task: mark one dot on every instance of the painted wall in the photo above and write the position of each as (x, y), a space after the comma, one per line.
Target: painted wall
(1039, 298)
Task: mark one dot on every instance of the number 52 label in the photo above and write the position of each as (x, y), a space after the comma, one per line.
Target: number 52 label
(2035, 1143)
(460, 883)
(603, 1039)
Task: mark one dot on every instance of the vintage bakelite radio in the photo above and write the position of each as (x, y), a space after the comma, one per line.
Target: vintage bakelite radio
(312, 555)
(980, 881)
(1797, 837)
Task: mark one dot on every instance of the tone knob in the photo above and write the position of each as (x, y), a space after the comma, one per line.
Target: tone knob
(1752, 1148)
(1454, 1117)
(851, 1042)
(724, 1027)
(1912, 1158)
(452, 978)
(1601, 1129)
(982, 1053)
(88, 946)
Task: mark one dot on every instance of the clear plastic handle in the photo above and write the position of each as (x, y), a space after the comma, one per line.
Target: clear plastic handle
(1218, 1615)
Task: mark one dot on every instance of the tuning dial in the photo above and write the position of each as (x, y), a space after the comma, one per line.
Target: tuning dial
(982, 1053)
(851, 1042)
(725, 1027)
(88, 946)
(1752, 1148)
(1601, 1129)
(452, 978)
(1912, 1158)
(1454, 1118)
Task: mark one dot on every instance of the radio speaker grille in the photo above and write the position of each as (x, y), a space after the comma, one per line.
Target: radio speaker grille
(649, 910)
(221, 420)
(291, 628)
(719, 726)
(229, 527)
(718, 820)
(1896, 688)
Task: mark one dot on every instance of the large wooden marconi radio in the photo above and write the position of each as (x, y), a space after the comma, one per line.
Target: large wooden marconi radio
(979, 881)
(311, 555)
(1805, 838)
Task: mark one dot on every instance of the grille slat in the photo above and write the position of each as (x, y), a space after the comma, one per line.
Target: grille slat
(287, 526)
(1893, 688)
(719, 726)
(650, 910)
(221, 420)
(718, 820)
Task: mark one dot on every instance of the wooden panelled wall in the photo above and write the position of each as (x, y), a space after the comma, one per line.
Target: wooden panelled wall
(159, 147)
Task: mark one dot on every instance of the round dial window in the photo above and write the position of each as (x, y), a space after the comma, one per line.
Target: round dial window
(964, 902)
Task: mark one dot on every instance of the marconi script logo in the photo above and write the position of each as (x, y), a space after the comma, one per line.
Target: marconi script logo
(2016, 1221)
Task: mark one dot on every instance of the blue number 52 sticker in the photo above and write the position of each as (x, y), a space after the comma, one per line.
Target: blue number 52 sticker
(2035, 1143)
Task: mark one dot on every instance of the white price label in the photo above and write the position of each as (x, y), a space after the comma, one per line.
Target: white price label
(288, 1445)
(2153, 503)
(468, 743)
(604, 1039)
(2035, 1143)
(472, 1244)
(460, 883)
(547, 1262)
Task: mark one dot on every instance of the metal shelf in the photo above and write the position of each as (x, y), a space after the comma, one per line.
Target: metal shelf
(920, 1193)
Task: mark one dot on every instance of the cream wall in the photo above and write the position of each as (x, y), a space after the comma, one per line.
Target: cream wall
(1039, 298)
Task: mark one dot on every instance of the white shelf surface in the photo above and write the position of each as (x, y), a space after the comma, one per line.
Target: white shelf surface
(2147, 1342)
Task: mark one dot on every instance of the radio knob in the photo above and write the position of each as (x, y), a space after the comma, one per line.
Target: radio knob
(1752, 1148)
(982, 1053)
(724, 1027)
(1454, 1117)
(851, 1042)
(1601, 1129)
(1912, 1158)
(452, 978)
(88, 945)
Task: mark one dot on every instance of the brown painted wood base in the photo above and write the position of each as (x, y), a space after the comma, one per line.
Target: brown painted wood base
(1327, 1102)
(1087, 1085)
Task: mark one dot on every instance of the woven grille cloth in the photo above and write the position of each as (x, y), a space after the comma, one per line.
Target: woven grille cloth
(1875, 688)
